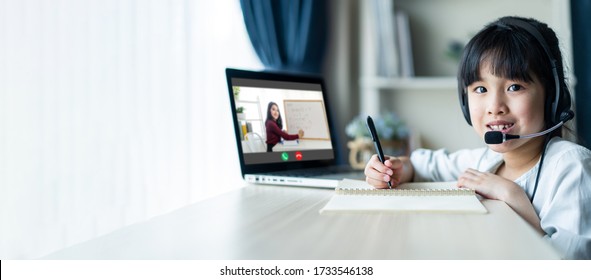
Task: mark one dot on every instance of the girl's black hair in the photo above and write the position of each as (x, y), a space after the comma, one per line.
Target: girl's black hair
(270, 117)
(513, 53)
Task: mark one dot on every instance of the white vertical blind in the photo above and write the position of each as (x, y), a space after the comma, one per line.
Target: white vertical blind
(111, 112)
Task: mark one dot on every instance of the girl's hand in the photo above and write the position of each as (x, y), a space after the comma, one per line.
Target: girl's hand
(496, 187)
(487, 184)
(378, 174)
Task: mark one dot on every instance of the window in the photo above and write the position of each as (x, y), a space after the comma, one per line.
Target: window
(112, 112)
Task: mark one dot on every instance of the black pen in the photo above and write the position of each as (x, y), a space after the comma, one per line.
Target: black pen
(376, 142)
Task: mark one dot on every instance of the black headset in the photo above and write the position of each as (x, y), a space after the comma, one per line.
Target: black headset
(557, 112)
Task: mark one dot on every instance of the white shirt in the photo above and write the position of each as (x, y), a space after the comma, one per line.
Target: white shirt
(562, 199)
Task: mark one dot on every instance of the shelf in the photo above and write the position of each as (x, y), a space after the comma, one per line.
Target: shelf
(414, 83)
(253, 109)
(251, 120)
(247, 101)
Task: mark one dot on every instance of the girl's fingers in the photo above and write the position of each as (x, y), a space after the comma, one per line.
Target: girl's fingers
(375, 164)
(379, 184)
(471, 178)
(378, 174)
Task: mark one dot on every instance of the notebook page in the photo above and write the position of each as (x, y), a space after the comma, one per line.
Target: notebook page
(358, 184)
(351, 203)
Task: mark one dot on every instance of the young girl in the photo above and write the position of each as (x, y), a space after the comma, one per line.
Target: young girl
(274, 126)
(511, 79)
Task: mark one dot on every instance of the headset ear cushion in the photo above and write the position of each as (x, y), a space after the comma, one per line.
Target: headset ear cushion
(464, 105)
(559, 109)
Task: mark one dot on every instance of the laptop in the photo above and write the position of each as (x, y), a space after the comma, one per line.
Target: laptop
(269, 146)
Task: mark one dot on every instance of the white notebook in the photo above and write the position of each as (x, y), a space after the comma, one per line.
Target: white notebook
(444, 197)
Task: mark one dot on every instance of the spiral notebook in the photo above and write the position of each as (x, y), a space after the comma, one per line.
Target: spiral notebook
(441, 197)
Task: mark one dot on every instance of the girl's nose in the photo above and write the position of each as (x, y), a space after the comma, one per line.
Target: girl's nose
(496, 104)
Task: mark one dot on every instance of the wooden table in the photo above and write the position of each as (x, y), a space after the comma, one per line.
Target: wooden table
(272, 222)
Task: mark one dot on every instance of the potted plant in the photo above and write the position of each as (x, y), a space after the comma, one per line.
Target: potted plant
(392, 131)
(239, 110)
(240, 113)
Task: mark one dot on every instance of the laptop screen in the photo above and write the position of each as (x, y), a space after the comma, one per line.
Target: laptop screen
(279, 118)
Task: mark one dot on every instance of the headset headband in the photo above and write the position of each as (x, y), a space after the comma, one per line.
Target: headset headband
(534, 32)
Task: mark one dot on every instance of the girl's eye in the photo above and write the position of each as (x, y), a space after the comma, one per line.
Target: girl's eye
(514, 87)
(480, 89)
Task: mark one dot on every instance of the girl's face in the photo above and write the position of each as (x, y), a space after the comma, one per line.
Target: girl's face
(500, 104)
(274, 112)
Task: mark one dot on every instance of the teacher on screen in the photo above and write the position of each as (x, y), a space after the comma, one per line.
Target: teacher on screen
(274, 127)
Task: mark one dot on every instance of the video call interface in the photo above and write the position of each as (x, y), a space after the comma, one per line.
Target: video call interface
(281, 121)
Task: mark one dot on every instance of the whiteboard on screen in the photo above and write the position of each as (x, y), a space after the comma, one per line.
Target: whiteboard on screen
(308, 115)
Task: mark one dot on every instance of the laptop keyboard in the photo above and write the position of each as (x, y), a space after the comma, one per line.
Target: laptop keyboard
(316, 172)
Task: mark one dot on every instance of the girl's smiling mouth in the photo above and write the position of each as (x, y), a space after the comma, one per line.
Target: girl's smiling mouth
(501, 126)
